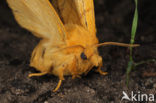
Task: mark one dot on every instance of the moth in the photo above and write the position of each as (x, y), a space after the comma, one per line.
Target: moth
(67, 28)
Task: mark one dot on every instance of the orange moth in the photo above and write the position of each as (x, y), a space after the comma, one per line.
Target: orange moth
(67, 28)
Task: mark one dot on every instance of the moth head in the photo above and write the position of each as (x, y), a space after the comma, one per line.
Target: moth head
(91, 56)
(87, 53)
(91, 53)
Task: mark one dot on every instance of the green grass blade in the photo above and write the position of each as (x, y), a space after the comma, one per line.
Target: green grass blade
(133, 32)
(134, 23)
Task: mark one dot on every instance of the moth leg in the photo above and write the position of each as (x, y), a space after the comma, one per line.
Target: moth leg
(73, 69)
(76, 76)
(100, 71)
(61, 77)
(37, 74)
(58, 86)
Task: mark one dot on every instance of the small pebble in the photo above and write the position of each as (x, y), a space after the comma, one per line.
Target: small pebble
(154, 85)
(45, 101)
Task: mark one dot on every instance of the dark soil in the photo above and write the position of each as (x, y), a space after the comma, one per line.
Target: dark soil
(113, 20)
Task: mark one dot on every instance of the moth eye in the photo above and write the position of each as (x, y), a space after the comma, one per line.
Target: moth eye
(83, 56)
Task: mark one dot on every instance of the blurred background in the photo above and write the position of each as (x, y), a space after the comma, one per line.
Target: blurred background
(113, 22)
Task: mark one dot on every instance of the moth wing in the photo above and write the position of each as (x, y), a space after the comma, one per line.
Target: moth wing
(39, 17)
(79, 12)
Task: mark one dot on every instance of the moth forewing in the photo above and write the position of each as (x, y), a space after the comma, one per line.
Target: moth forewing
(39, 17)
(80, 12)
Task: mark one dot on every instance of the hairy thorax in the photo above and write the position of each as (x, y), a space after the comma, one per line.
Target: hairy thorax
(78, 35)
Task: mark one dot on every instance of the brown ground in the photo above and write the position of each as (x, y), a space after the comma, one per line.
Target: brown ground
(113, 19)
